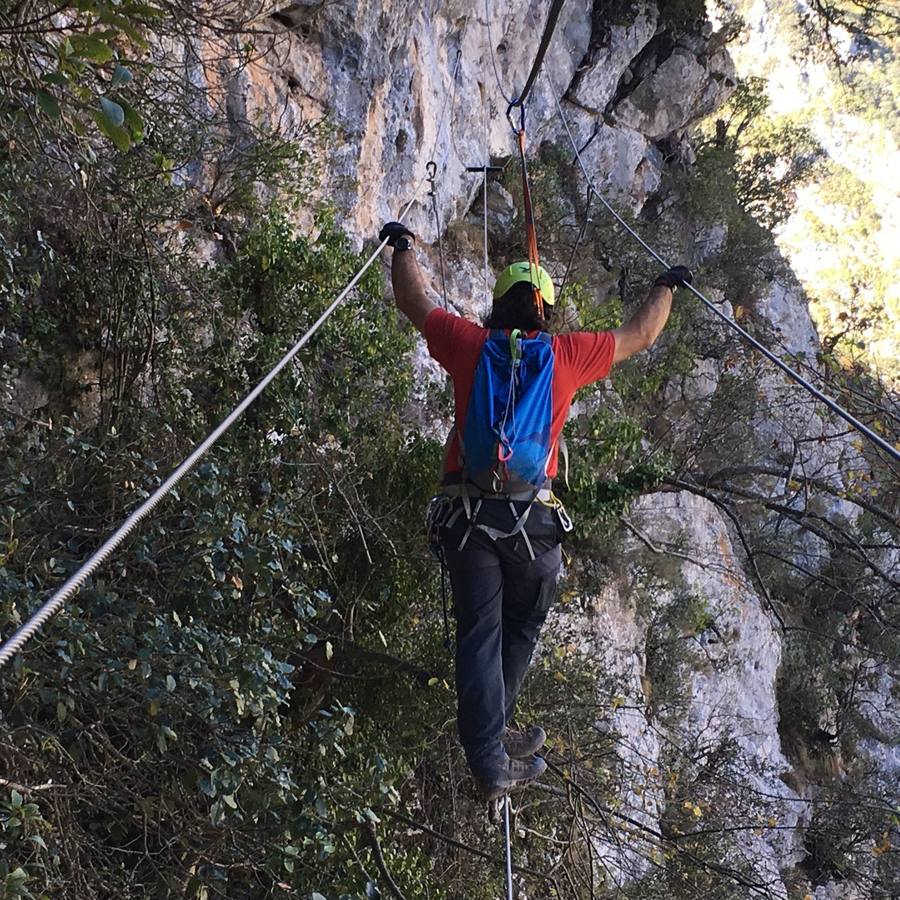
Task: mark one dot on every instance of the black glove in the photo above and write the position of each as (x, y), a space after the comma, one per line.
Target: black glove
(677, 276)
(393, 231)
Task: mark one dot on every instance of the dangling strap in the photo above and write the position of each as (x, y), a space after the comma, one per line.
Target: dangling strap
(504, 443)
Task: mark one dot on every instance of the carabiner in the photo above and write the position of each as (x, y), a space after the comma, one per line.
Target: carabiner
(509, 109)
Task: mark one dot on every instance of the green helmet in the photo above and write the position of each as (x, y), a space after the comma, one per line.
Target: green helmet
(526, 271)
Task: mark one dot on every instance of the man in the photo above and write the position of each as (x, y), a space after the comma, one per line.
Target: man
(502, 547)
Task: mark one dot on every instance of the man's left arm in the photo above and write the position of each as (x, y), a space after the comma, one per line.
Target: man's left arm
(643, 328)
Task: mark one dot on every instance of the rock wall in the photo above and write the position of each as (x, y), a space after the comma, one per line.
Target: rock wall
(399, 89)
(726, 689)
(399, 86)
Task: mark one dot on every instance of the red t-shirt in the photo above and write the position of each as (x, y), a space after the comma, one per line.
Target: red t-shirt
(580, 358)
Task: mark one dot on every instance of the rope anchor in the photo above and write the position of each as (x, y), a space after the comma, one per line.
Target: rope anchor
(430, 177)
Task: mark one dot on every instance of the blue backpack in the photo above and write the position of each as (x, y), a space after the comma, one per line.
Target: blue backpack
(506, 436)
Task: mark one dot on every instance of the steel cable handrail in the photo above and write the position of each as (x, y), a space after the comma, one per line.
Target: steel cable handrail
(833, 405)
(53, 604)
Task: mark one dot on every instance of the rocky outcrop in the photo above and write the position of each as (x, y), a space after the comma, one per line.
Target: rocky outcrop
(620, 35)
(699, 697)
(397, 89)
(681, 86)
(399, 86)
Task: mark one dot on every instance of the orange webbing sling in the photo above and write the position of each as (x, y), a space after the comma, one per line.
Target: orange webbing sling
(530, 233)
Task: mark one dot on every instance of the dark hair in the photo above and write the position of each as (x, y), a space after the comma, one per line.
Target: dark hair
(516, 309)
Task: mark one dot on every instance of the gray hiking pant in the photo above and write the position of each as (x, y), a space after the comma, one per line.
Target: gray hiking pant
(501, 597)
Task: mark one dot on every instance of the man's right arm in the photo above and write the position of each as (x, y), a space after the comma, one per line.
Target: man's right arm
(643, 328)
(406, 279)
(409, 288)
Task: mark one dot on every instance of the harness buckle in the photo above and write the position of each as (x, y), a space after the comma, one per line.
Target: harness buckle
(565, 520)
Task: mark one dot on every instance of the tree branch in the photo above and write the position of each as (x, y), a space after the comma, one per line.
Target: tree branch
(381, 865)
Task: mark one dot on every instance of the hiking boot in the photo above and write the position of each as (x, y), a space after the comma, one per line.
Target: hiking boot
(513, 774)
(522, 744)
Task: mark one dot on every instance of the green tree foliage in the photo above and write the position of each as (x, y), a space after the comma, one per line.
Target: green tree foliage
(854, 288)
(869, 18)
(769, 158)
(189, 690)
(841, 238)
(251, 699)
(193, 669)
(74, 64)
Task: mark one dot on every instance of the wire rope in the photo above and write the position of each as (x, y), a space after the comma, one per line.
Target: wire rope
(487, 23)
(795, 376)
(577, 244)
(447, 107)
(508, 841)
(487, 161)
(507, 837)
(431, 168)
(546, 37)
(53, 604)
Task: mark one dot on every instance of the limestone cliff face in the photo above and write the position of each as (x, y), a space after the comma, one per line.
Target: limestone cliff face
(402, 85)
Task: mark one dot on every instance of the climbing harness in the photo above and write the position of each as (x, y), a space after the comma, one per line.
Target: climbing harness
(835, 407)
